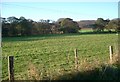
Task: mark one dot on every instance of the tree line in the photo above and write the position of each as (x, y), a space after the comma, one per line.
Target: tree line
(13, 26)
(107, 24)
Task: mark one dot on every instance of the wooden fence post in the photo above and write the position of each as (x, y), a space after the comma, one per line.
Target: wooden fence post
(11, 68)
(76, 59)
(111, 53)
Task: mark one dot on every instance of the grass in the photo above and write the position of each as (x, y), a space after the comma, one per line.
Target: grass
(90, 31)
(48, 54)
(86, 30)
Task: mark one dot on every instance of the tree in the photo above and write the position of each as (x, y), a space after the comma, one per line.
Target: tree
(100, 24)
(67, 25)
(12, 22)
(114, 24)
(5, 27)
(25, 26)
(12, 19)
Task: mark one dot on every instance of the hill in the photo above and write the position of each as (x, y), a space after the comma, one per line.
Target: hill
(85, 23)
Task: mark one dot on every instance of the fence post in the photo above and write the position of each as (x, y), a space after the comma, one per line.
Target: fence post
(76, 59)
(111, 53)
(11, 68)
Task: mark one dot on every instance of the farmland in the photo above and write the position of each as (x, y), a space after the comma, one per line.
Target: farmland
(46, 57)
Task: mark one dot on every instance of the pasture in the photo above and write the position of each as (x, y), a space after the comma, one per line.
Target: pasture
(46, 57)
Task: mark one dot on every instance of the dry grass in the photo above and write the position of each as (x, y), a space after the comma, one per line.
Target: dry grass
(33, 73)
(115, 59)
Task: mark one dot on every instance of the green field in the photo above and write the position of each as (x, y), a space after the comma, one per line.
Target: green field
(46, 57)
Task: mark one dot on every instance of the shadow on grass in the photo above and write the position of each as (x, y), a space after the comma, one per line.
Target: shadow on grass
(47, 36)
(104, 32)
(103, 73)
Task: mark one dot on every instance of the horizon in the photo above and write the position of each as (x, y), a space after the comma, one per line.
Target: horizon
(53, 10)
(65, 17)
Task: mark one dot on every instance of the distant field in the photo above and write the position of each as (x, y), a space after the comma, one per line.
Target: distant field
(45, 57)
(86, 30)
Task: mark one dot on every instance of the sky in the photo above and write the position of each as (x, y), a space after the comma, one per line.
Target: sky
(59, 0)
(55, 10)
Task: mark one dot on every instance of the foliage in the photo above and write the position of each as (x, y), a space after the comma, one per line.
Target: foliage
(100, 24)
(69, 26)
(114, 24)
(13, 26)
